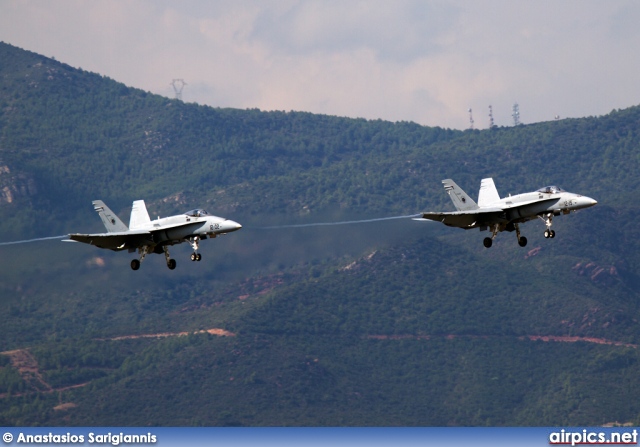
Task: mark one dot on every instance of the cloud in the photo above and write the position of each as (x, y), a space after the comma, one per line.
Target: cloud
(394, 31)
(424, 61)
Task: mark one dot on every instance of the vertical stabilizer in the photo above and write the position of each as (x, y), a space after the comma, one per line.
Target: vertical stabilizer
(488, 193)
(139, 216)
(110, 220)
(460, 199)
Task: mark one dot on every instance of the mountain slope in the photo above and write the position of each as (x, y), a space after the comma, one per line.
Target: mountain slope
(383, 323)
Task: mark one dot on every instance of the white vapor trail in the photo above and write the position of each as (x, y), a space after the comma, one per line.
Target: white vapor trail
(33, 240)
(347, 222)
(276, 227)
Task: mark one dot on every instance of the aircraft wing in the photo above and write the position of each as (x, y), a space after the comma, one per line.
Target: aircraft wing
(113, 241)
(126, 239)
(175, 225)
(482, 216)
(465, 219)
(509, 205)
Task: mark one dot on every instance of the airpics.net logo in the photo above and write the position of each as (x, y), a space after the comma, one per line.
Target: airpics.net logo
(587, 437)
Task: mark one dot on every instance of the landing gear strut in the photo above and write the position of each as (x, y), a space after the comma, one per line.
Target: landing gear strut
(195, 256)
(548, 221)
(135, 263)
(488, 241)
(495, 229)
(171, 263)
(522, 241)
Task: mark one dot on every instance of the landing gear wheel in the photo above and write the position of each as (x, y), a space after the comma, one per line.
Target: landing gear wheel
(171, 263)
(135, 264)
(552, 234)
(194, 257)
(199, 257)
(547, 234)
(522, 241)
(487, 242)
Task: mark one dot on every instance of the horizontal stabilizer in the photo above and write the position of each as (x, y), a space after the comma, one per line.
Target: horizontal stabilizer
(114, 241)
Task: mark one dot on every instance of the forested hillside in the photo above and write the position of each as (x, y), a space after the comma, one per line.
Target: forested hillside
(384, 323)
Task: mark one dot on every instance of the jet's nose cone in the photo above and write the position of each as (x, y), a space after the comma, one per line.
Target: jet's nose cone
(585, 202)
(231, 225)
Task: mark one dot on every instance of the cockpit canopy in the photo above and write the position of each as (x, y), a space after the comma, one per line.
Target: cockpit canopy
(198, 212)
(551, 189)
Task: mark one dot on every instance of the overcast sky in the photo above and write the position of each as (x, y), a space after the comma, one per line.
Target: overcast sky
(425, 61)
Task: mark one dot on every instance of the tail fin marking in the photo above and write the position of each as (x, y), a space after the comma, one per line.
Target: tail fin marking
(460, 199)
(110, 220)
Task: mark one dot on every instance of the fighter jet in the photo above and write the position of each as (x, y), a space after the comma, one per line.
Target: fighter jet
(496, 214)
(147, 236)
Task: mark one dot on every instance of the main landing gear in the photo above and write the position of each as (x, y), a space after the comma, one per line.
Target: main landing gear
(522, 241)
(495, 229)
(135, 263)
(171, 263)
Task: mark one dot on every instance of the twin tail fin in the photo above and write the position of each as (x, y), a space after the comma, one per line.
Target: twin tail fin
(111, 221)
(460, 199)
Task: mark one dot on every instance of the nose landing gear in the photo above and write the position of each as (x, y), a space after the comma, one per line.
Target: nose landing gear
(194, 242)
(548, 221)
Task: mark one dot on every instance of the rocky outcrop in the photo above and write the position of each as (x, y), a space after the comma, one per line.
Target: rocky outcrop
(15, 185)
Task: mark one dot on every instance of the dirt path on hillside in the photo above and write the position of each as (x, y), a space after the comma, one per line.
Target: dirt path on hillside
(545, 338)
(27, 365)
(219, 332)
(572, 339)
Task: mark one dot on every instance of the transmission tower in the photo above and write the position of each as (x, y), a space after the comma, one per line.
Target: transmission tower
(470, 120)
(178, 85)
(491, 124)
(516, 115)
